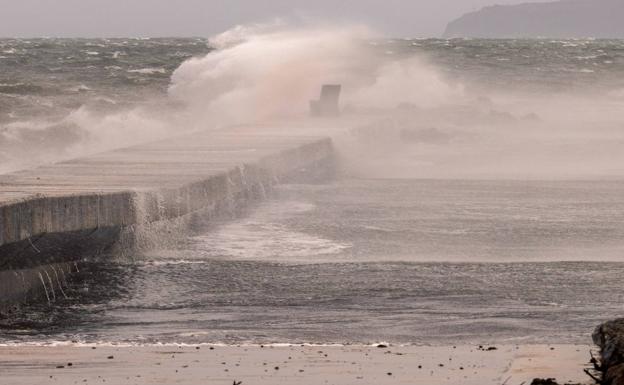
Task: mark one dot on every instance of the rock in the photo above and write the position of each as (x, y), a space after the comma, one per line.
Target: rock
(614, 375)
(610, 338)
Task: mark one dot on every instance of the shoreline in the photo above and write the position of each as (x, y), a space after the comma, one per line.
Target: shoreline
(309, 364)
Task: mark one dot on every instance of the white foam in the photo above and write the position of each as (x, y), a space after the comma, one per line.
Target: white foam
(148, 71)
(263, 236)
(172, 262)
(260, 73)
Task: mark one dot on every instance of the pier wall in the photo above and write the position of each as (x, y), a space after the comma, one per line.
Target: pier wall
(55, 215)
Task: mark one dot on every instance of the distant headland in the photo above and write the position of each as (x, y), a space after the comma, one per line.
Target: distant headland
(558, 19)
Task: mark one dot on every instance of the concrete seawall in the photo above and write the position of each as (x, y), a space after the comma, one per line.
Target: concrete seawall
(55, 215)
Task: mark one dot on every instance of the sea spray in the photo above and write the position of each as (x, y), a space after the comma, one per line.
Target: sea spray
(439, 108)
(45, 288)
(51, 284)
(58, 281)
(259, 74)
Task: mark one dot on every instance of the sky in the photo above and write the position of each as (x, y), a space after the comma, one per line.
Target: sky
(152, 18)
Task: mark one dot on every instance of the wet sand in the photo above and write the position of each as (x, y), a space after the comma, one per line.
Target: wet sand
(273, 365)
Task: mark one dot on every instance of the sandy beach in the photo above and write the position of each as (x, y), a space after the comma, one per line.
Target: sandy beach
(292, 364)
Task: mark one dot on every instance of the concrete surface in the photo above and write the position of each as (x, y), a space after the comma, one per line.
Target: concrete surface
(79, 208)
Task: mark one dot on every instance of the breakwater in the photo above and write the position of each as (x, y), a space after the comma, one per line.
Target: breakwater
(105, 204)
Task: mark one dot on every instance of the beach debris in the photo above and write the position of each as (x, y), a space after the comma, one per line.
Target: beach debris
(487, 349)
(544, 381)
(382, 346)
(237, 382)
(548, 381)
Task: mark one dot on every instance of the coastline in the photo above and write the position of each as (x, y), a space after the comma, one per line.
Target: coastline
(308, 364)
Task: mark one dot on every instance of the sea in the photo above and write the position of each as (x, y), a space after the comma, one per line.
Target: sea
(355, 260)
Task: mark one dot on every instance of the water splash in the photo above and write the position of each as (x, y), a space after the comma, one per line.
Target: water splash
(51, 284)
(44, 288)
(58, 281)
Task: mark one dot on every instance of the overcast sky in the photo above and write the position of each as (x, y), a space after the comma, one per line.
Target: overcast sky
(106, 18)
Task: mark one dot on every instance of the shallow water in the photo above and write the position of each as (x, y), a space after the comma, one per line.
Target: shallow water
(360, 261)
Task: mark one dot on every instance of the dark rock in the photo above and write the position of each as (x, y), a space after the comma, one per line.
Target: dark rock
(614, 375)
(610, 339)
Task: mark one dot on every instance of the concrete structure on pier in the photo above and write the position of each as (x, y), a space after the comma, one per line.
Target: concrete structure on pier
(95, 206)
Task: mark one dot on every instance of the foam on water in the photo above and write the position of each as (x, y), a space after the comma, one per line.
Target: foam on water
(265, 237)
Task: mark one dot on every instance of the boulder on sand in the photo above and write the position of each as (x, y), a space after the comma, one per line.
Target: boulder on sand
(610, 338)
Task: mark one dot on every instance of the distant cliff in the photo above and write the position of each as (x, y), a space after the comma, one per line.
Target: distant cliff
(560, 19)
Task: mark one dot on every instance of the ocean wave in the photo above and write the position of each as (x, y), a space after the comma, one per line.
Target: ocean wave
(133, 344)
(20, 88)
(172, 262)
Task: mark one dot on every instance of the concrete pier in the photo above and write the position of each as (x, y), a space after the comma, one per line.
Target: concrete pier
(54, 215)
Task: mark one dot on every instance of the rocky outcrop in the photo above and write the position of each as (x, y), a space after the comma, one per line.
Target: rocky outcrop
(610, 338)
(559, 19)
